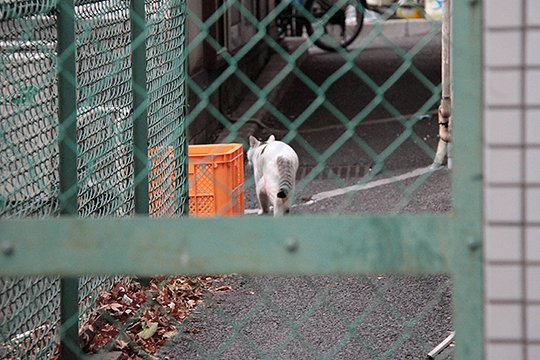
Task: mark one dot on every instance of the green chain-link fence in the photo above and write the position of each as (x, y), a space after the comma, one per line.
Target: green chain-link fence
(31, 132)
(94, 127)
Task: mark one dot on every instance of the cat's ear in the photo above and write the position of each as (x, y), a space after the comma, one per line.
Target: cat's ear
(253, 142)
(271, 138)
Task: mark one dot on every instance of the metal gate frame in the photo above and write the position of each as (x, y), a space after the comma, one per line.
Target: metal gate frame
(69, 246)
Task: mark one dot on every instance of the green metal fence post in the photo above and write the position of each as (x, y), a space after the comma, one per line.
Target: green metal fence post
(140, 104)
(67, 115)
(140, 109)
(466, 252)
(183, 194)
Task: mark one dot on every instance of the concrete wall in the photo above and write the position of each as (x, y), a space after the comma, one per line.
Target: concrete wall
(512, 182)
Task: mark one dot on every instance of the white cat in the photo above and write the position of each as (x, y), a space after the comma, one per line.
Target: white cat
(274, 166)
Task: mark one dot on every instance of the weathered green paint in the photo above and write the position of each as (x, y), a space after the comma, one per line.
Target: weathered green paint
(69, 318)
(252, 245)
(67, 108)
(466, 252)
(140, 104)
(67, 116)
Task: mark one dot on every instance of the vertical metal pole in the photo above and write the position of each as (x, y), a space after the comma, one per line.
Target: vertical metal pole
(67, 138)
(140, 109)
(140, 104)
(183, 196)
(69, 319)
(445, 108)
(466, 250)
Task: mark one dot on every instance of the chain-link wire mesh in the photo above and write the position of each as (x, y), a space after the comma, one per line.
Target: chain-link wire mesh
(361, 114)
(104, 109)
(167, 106)
(326, 128)
(29, 168)
(29, 314)
(345, 145)
(318, 317)
(29, 151)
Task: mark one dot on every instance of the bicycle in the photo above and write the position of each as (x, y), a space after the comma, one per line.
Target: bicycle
(332, 24)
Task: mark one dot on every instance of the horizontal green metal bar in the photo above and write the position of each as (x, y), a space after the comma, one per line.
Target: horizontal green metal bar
(254, 245)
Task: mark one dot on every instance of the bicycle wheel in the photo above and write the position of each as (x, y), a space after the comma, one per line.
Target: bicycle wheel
(335, 23)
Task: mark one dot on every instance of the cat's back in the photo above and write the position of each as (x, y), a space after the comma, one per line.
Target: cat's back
(276, 149)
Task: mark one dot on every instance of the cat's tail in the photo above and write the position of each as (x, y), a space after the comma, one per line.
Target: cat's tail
(286, 176)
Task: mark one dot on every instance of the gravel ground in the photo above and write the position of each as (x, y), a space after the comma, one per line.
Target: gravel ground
(309, 317)
(432, 196)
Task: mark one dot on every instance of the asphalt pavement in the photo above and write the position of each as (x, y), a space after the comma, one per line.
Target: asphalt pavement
(319, 317)
(344, 316)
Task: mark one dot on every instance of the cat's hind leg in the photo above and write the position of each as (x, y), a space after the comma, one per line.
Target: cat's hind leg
(281, 206)
(264, 203)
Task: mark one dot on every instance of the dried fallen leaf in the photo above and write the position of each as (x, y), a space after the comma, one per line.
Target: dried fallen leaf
(122, 344)
(148, 331)
(112, 306)
(170, 334)
(175, 296)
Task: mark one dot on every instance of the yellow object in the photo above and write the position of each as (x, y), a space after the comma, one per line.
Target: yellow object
(409, 12)
(216, 180)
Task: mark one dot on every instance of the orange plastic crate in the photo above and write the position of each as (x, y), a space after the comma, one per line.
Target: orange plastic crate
(216, 180)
